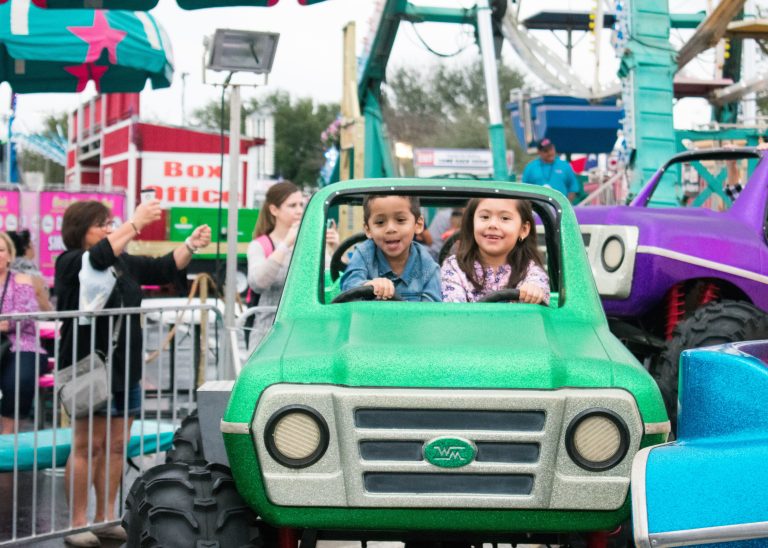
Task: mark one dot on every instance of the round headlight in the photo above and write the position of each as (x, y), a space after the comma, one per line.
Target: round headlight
(613, 253)
(597, 439)
(296, 436)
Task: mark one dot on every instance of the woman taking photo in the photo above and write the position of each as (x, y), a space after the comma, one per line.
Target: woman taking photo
(88, 226)
(269, 253)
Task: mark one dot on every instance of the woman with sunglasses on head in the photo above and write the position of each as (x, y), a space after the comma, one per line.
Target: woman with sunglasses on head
(88, 226)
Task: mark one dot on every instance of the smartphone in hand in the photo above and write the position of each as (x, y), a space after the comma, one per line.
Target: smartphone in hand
(147, 195)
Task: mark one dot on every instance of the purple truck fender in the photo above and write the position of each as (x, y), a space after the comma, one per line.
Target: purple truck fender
(665, 246)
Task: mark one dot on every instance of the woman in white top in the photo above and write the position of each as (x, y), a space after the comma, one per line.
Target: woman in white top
(269, 253)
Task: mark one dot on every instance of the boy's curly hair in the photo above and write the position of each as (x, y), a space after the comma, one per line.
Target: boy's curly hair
(413, 200)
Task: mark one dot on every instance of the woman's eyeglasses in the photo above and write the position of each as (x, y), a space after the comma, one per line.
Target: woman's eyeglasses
(112, 223)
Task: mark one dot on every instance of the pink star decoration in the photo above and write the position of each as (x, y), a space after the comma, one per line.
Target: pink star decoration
(86, 72)
(99, 37)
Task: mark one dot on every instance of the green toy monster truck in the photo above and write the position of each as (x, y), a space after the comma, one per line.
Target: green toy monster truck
(415, 421)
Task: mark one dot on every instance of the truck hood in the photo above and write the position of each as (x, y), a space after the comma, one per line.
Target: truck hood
(528, 350)
(637, 216)
(661, 224)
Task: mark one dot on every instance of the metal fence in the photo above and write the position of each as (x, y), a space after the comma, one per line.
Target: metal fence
(40, 494)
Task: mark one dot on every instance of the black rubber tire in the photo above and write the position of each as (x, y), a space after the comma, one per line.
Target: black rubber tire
(187, 442)
(181, 506)
(715, 323)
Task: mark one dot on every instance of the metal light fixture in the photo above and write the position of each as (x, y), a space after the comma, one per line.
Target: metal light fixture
(236, 51)
(242, 51)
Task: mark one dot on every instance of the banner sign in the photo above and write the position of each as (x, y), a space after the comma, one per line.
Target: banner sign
(434, 162)
(9, 210)
(182, 179)
(51, 214)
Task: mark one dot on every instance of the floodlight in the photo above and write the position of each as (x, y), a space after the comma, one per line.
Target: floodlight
(242, 51)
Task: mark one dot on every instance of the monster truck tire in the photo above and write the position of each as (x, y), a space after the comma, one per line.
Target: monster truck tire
(187, 442)
(715, 323)
(182, 505)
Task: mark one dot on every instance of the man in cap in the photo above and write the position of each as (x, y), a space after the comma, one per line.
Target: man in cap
(549, 170)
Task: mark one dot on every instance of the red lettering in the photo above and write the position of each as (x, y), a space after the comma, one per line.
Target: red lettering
(214, 172)
(172, 169)
(158, 191)
(211, 196)
(195, 171)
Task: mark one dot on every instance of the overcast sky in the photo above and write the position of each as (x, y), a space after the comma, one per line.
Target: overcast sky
(309, 54)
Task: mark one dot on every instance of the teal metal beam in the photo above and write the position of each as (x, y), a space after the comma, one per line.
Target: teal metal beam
(647, 68)
(378, 155)
(374, 70)
(686, 20)
(423, 14)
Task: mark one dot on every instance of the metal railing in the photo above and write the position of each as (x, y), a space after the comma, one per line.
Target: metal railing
(181, 347)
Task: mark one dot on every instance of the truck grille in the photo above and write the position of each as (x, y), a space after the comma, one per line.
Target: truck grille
(379, 436)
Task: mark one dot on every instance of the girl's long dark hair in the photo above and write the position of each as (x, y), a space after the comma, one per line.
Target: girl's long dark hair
(519, 257)
(276, 195)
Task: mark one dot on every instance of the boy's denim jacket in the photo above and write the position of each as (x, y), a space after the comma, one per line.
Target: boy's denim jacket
(420, 280)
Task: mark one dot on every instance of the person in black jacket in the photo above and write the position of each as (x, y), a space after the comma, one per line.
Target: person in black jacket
(88, 226)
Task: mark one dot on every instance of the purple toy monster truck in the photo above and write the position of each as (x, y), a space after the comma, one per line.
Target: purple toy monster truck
(689, 272)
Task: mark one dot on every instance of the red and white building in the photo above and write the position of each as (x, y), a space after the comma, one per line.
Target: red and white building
(111, 149)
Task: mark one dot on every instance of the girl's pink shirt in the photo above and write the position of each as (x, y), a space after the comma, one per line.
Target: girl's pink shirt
(20, 298)
(458, 289)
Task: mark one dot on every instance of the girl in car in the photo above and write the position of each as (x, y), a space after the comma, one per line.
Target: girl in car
(497, 251)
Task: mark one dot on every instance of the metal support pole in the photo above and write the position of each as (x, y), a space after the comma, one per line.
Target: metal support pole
(230, 283)
(495, 126)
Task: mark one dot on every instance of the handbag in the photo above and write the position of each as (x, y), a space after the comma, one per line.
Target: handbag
(89, 374)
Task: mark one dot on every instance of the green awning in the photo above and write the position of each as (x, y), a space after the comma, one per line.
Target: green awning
(61, 50)
(145, 5)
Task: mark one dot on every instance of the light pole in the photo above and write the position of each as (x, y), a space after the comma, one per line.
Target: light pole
(234, 51)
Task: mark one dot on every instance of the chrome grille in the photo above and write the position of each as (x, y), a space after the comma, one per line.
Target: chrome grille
(375, 458)
(448, 419)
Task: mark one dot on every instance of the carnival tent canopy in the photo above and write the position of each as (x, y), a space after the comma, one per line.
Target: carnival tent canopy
(145, 5)
(61, 51)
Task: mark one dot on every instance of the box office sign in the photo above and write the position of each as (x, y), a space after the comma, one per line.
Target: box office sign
(182, 179)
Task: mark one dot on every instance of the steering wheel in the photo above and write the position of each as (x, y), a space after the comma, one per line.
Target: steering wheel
(360, 293)
(337, 265)
(445, 251)
(502, 295)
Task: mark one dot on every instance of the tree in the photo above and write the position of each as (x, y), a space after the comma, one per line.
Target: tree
(54, 125)
(445, 106)
(298, 126)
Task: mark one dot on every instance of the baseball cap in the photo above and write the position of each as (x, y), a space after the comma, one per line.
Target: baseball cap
(544, 144)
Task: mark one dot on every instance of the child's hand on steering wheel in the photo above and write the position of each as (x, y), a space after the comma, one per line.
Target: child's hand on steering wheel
(383, 288)
(531, 293)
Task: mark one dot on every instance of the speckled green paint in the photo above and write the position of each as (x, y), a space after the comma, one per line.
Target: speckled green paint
(435, 345)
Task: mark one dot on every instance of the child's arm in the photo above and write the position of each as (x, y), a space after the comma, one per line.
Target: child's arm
(535, 286)
(453, 289)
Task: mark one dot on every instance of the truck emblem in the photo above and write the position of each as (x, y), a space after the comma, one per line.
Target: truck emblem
(449, 452)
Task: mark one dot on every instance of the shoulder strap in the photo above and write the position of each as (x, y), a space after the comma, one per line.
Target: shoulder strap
(5, 289)
(266, 244)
